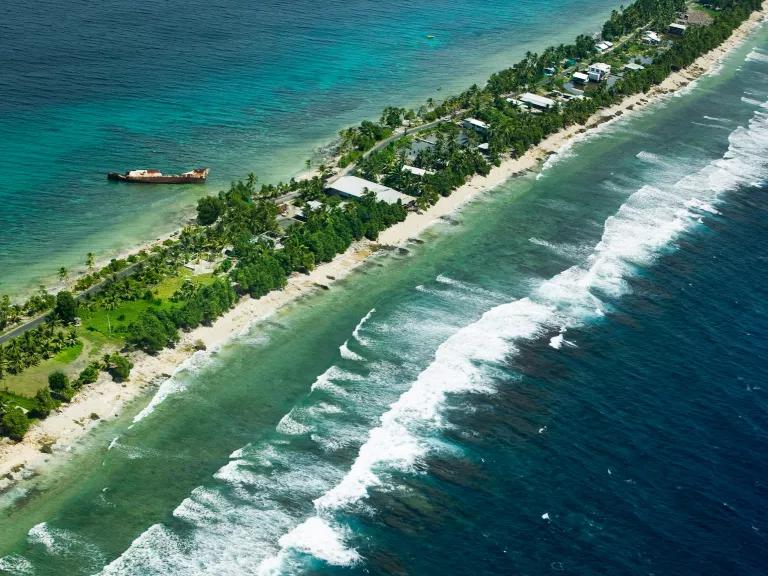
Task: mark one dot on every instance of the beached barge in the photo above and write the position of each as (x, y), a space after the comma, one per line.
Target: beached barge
(197, 176)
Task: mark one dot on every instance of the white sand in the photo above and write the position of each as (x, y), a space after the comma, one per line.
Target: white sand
(106, 398)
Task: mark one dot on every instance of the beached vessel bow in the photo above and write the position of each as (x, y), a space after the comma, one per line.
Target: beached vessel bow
(197, 176)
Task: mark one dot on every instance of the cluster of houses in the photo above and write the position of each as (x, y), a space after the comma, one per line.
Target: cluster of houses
(354, 187)
(604, 46)
(596, 72)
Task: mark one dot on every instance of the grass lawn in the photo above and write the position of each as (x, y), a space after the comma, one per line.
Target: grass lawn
(108, 326)
(70, 361)
(16, 400)
(97, 338)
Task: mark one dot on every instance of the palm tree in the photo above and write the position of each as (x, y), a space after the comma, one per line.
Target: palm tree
(3, 362)
(89, 260)
(251, 181)
(63, 273)
(15, 357)
(110, 303)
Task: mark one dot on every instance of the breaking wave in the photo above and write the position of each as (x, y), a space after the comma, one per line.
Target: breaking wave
(644, 226)
(288, 505)
(756, 55)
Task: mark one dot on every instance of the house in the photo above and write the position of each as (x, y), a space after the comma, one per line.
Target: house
(599, 71)
(536, 101)
(633, 67)
(677, 29)
(484, 148)
(604, 46)
(652, 38)
(416, 171)
(580, 78)
(474, 124)
(549, 71)
(312, 206)
(419, 145)
(354, 187)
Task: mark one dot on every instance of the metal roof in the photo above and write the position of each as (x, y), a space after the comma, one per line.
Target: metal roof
(536, 100)
(354, 187)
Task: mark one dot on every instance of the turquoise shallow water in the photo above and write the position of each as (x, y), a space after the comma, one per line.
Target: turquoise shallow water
(233, 85)
(568, 376)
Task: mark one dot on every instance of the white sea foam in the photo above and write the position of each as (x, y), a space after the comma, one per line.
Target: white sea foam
(291, 426)
(42, 535)
(178, 382)
(347, 354)
(59, 542)
(316, 537)
(356, 333)
(231, 536)
(326, 382)
(652, 158)
(556, 341)
(697, 204)
(324, 408)
(641, 229)
(566, 150)
(572, 251)
(756, 55)
(751, 101)
(467, 287)
(713, 126)
(16, 565)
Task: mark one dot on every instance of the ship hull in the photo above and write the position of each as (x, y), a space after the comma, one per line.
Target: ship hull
(197, 178)
(156, 179)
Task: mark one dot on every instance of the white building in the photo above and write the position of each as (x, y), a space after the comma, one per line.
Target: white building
(416, 171)
(536, 101)
(599, 71)
(475, 124)
(651, 37)
(580, 78)
(677, 29)
(354, 187)
(604, 46)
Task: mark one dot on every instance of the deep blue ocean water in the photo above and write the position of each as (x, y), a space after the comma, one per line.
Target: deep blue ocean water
(644, 443)
(570, 375)
(237, 86)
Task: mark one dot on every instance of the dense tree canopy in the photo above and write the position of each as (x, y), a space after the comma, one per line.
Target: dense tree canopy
(66, 307)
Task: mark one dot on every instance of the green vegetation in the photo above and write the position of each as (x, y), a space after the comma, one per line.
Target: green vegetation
(641, 13)
(44, 404)
(14, 422)
(144, 302)
(118, 366)
(66, 307)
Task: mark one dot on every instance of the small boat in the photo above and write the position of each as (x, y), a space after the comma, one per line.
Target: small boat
(430, 37)
(197, 176)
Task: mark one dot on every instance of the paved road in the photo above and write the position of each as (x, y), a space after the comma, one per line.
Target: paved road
(96, 288)
(396, 136)
(38, 320)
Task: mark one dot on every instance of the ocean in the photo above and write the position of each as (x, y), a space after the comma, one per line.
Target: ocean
(570, 375)
(232, 85)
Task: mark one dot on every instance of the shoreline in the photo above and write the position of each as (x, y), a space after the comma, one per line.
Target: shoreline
(107, 399)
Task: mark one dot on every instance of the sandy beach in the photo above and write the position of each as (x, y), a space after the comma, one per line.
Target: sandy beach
(106, 399)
